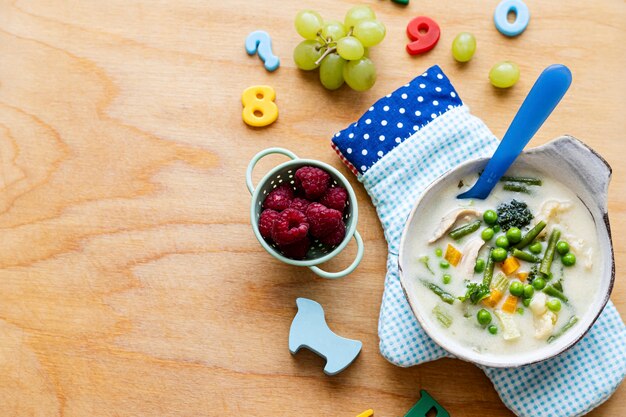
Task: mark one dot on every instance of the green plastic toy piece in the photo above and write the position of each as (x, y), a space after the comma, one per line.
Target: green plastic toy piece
(401, 1)
(424, 405)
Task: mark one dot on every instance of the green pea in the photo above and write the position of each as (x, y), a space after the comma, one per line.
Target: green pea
(447, 278)
(480, 266)
(496, 228)
(502, 242)
(514, 235)
(483, 317)
(539, 284)
(498, 254)
(569, 259)
(536, 248)
(520, 311)
(444, 264)
(487, 234)
(516, 288)
(438, 252)
(554, 305)
(562, 247)
(490, 217)
(529, 291)
(526, 302)
(492, 329)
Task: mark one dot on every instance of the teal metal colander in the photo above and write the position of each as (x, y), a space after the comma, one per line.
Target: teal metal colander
(284, 173)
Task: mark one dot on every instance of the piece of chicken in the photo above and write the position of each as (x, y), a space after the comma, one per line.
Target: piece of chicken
(450, 219)
(470, 254)
(552, 209)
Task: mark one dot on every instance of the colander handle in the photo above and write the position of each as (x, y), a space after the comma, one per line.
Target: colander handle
(258, 157)
(340, 274)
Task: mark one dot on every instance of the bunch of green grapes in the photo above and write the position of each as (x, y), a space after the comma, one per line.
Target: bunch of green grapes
(339, 50)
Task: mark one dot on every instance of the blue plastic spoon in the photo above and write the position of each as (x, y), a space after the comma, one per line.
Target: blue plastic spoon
(542, 99)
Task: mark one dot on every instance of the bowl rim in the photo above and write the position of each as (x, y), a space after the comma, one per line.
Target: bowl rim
(478, 360)
(354, 215)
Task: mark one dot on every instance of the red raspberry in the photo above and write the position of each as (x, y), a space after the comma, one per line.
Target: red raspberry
(312, 181)
(296, 250)
(335, 237)
(300, 204)
(322, 220)
(266, 222)
(289, 227)
(335, 198)
(279, 198)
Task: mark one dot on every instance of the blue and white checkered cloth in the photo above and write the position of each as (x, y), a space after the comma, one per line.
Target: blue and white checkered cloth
(397, 148)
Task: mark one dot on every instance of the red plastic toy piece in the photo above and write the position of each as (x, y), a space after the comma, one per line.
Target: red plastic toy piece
(425, 41)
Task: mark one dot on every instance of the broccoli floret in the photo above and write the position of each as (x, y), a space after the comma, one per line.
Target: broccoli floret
(513, 214)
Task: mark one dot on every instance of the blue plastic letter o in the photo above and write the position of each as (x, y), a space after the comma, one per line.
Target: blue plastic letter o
(522, 17)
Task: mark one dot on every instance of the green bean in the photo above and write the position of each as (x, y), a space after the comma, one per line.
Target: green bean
(510, 186)
(445, 297)
(553, 292)
(570, 323)
(442, 316)
(464, 230)
(531, 235)
(548, 256)
(525, 180)
(489, 269)
(558, 285)
(525, 256)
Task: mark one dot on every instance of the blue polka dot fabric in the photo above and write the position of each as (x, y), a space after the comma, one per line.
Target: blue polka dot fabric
(396, 160)
(394, 118)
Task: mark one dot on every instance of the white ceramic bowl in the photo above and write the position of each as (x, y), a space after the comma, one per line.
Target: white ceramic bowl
(575, 165)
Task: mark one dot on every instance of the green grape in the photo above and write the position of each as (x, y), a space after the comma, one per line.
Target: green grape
(350, 48)
(366, 52)
(308, 23)
(333, 30)
(504, 74)
(331, 71)
(463, 47)
(369, 32)
(306, 53)
(360, 75)
(358, 13)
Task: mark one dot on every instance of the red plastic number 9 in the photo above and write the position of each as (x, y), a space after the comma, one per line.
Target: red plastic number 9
(425, 41)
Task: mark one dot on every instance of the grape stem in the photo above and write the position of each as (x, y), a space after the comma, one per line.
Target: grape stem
(325, 54)
(320, 37)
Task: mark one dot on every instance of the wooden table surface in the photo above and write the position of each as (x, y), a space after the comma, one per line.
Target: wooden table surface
(131, 283)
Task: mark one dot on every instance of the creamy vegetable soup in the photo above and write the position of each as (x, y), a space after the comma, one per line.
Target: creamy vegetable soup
(508, 274)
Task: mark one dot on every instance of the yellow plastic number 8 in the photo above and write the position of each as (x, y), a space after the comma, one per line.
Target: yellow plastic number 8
(259, 108)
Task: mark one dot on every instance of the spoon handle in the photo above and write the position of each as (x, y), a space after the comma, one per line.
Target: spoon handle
(544, 96)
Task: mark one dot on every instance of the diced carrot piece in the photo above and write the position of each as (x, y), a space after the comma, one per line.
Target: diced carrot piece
(510, 265)
(493, 298)
(523, 276)
(510, 304)
(453, 255)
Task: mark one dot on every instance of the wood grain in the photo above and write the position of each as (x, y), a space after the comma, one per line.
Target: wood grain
(130, 281)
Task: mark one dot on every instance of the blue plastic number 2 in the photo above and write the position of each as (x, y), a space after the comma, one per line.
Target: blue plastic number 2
(522, 17)
(260, 41)
(424, 405)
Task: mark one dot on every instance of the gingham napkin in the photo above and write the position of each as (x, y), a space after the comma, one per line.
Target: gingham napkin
(400, 145)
